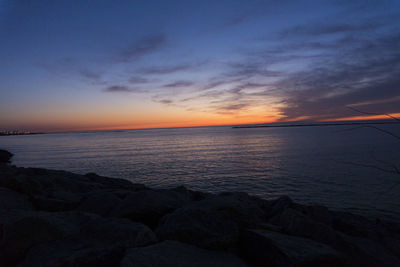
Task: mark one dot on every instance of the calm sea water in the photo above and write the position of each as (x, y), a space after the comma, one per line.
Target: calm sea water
(310, 164)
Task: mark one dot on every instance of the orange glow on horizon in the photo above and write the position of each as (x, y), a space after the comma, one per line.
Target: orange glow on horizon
(365, 117)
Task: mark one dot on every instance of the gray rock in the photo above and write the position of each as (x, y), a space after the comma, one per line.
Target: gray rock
(5, 156)
(366, 252)
(101, 203)
(239, 207)
(114, 183)
(24, 230)
(277, 206)
(54, 204)
(63, 253)
(295, 223)
(267, 248)
(175, 254)
(20, 235)
(35, 181)
(201, 227)
(149, 206)
(10, 199)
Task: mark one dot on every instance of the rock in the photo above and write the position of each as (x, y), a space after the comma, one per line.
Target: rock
(5, 156)
(115, 183)
(64, 253)
(53, 204)
(277, 206)
(267, 248)
(351, 224)
(36, 181)
(19, 236)
(365, 252)
(101, 203)
(24, 230)
(10, 199)
(176, 254)
(239, 207)
(193, 195)
(295, 223)
(149, 206)
(201, 227)
(317, 213)
(105, 231)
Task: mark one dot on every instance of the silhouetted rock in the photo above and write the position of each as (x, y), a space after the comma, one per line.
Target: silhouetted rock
(295, 223)
(99, 202)
(176, 254)
(57, 218)
(201, 227)
(5, 156)
(149, 206)
(267, 248)
(277, 206)
(23, 230)
(69, 254)
(239, 207)
(10, 199)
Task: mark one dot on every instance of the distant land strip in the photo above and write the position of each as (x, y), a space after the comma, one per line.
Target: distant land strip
(8, 134)
(314, 124)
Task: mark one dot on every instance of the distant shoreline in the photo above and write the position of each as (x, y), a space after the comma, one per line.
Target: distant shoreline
(11, 134)
(313, 124)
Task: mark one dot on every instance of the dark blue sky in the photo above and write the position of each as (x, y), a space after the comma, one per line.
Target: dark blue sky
(128, 64)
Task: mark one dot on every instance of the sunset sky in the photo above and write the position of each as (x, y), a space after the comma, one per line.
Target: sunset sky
(93, 64)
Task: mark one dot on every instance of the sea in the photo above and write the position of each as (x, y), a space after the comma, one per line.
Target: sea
(348, 168)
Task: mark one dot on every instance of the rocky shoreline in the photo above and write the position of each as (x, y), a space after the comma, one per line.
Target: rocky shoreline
(58, 218)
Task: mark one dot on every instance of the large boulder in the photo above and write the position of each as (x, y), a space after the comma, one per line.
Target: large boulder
(295, 223)
(5, 156)
(366, 252)
(24, 230)
(71, 253)
(50, 183)
(176, 254)
(201, 227)
(10, 199)
(239, 207)
(267, 248)
(99, 202)
(277, 206)
(149, 206)
(114, 183)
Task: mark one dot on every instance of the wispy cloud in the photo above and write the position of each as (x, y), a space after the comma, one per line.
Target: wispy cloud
(121, 89)
(163, 70)
(179, 84)
(142, 47)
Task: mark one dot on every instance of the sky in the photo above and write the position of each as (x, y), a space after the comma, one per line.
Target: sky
(86, 65)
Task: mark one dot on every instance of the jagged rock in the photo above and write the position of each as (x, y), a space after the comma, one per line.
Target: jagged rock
(10, 199)
(176, 254)
(149, 206)
(267, 248)
(201, 227)
(101, 203)
(24, 230)
(5, 156)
